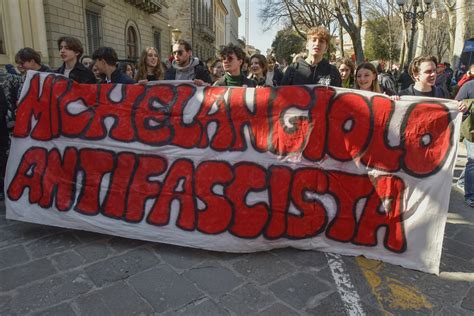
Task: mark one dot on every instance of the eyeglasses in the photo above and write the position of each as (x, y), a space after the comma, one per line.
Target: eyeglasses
(178, 52)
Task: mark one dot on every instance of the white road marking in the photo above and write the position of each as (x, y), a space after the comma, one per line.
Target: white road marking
(346, 289)
(457, 276)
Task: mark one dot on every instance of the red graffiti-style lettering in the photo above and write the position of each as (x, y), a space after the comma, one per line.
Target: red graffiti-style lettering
(114, 203)
(41, 105)
(313, 217)
(256, 119)
(95, 164)
(244, 199)
(28, 175)
(285, 139)
(120, 111)
(427, 138)
(315, 148)
(59, 179)
(383, 209)
(178, 185)
(216, 215)
(248, 221)
(380, 154)
(344, 127)
(279, 186)
(349, 131)
(214, 108)
(151, 117)
(347, 190)
(142, 188)
(185, 135)
(75, 110)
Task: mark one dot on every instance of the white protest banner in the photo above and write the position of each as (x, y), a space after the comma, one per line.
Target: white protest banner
(236, 169)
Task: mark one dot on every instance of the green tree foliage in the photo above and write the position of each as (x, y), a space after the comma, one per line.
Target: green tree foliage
(380, 43)
(286, 43)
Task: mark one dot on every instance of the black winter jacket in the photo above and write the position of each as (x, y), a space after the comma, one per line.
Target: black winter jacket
(119, 77)
(437, 92)
(79, 73)
(301, 73)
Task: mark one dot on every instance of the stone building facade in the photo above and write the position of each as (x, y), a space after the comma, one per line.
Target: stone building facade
(220, 13)
(22, 24)
(232, 21)
(195, 19)
(126, 25)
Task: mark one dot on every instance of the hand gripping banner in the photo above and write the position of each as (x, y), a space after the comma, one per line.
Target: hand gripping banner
(237, 169)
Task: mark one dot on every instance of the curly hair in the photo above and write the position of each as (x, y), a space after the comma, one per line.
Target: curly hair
(320, 32)
(232, 48)
(27, 54)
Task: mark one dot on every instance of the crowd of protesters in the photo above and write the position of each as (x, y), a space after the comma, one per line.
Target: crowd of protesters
(231, 66)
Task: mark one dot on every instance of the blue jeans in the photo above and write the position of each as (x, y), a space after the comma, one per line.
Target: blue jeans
(469, 171)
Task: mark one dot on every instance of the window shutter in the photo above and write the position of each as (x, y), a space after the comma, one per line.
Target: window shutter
(93, 31)
(157, 39)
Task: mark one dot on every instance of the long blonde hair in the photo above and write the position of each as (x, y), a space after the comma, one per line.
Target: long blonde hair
(142, 66)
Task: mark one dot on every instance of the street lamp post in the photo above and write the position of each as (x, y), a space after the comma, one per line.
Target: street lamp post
(175, 35)
(417, 14)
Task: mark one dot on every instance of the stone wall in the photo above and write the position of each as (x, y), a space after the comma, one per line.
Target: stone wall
(232, 21)
(180, 17)
(67, 17)
(185, 15)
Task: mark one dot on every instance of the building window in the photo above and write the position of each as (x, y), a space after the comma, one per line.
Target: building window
(157, 40)
(94, 32)
(132, 43)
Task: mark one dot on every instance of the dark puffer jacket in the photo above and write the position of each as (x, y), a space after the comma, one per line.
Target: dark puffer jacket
(79, 73)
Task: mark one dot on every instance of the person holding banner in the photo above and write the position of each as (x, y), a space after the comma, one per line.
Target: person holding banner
(26, 59)
(423, 71)
(258, 70)
(187, 67)
(366, 78)
(71, 50)
(315, 69)
(149, 66)
(105, 59)
(233, 57)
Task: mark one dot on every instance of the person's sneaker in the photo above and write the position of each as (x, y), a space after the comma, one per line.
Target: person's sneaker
(469, 202)
(460, 186)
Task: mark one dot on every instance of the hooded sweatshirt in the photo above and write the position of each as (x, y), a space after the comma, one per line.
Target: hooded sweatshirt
(194, 70)
(186, 72)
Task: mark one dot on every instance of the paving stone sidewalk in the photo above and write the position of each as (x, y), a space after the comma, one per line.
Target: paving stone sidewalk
(52, 271)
